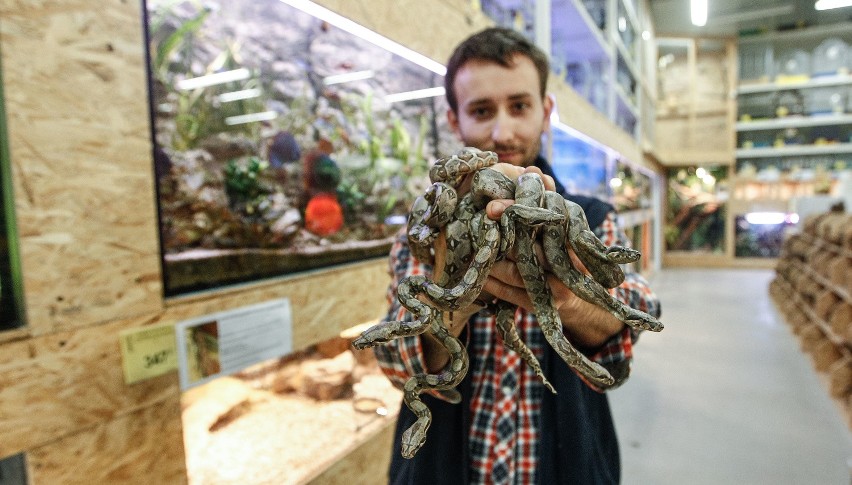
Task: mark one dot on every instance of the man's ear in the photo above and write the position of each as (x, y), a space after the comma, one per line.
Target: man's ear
(549, 106)
(453, 120)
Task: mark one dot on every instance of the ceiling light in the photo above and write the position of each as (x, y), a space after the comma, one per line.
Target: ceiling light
(698, 12)
(830, 4)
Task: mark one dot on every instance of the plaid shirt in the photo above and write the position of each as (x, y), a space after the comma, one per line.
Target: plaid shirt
(507, 394)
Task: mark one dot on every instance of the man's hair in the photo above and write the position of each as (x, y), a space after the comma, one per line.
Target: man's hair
(495, 44)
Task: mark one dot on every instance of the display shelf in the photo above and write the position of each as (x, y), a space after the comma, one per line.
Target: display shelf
(816, 82)
(794, 151)
(625, 102)
(575, 34)
(822, 324)
(816, 306)
(825, 282)
(841, 28)
(635, 217)
(794, 122)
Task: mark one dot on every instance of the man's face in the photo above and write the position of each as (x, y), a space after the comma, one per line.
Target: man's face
(500, 109)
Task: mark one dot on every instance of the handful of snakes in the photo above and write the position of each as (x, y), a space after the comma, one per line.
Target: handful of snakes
(474, 244)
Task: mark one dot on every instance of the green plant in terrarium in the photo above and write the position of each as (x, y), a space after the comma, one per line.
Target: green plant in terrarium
(243, 183)
(380, 185)
(200, 112)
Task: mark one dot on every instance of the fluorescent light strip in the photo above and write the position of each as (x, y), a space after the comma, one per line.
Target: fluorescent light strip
(698, 12)
(830, 4)
(213, 79)
(418, 94)
(251, 118)
(238, 95)
(348, 77)
(771, 218)
(347, 25)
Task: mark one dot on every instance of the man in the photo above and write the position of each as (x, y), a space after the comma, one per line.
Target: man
(509, 428)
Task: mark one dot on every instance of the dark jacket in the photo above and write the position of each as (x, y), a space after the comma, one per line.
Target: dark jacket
(578, 441)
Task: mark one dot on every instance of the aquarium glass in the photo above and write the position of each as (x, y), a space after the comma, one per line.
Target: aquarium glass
(631, 187)
(10, 279)
(580, 165)
(695, 209)
(283, 143)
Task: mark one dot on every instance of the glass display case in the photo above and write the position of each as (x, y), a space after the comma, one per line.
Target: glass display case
(283, 142)
(696, 209)
(582, 167)
(11, 303)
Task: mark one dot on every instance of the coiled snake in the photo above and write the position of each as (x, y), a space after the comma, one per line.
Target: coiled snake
(474, 244)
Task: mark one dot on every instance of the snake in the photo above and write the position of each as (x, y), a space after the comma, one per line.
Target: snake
(474, 243)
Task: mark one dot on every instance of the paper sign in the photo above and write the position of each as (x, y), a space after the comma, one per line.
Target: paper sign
(222, 343)
(148, 352)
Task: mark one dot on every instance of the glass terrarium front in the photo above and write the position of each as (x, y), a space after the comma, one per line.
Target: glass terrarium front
(695, 209)
(10, 279)
(579, 165)
(282, 142)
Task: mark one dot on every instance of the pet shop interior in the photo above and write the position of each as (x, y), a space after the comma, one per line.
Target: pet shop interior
(199, 199)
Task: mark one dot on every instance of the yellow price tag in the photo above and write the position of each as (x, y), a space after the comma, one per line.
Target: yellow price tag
(148, 352)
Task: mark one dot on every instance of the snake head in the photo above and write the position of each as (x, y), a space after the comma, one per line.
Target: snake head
(413, 438)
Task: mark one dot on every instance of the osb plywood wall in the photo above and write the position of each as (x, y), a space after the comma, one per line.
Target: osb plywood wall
(79, 136)
(696, 110)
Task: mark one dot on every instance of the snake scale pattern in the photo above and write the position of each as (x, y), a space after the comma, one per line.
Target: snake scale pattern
(474, 244)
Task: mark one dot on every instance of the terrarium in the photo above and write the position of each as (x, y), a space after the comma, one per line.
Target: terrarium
(695, 209)
(283, 142)
(10, 290)
(580, 165)
(631, 187)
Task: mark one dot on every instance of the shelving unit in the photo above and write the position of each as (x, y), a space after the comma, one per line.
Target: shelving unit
(813, 288)
(603, 50)
(794, 117)
(595, 46)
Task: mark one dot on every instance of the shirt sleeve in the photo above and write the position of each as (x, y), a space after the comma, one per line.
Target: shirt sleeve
(617, 353)
(401, 358)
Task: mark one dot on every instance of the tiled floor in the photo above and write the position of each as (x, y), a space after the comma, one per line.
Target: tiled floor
(724, 394)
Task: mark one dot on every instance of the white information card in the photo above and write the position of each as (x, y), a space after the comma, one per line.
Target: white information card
(223, 343)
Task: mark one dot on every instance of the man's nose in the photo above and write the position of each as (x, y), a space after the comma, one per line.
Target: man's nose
(503, 129)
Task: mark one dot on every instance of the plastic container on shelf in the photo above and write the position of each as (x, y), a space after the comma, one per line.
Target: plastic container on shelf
(577, 75)
(755, 65)
(597, 11)
(793, 66)
(790, 102)
(830, 58)
(756, 107)
(827, 101)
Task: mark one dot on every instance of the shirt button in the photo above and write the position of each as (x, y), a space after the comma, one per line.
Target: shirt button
(508, 390)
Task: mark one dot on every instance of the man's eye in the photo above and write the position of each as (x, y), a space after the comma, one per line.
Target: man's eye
(480, 112)
(520, 106)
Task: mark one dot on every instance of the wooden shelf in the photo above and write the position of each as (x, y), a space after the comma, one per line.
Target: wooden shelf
(635, 217)
(822, 324)
(840, 28)
(794, 122)
(793, 151)
(817, 82)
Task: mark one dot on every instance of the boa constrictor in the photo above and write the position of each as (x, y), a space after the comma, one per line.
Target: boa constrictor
(474, 244)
